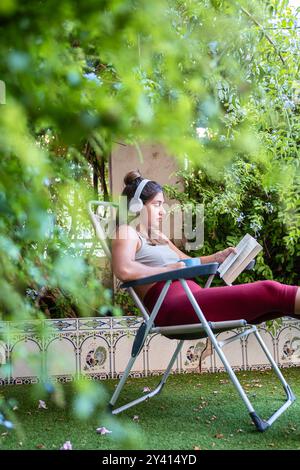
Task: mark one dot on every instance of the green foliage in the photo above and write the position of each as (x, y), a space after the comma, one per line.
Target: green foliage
(81, 75)
(239, 203)
(255, 188)
(126, 303)
(86, 73)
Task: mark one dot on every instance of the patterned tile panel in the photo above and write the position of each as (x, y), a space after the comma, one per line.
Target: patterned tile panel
(100, 347)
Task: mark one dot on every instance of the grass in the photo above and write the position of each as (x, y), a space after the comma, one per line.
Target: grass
(193, 411)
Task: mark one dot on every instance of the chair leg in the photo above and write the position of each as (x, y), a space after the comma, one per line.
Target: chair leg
(261, 425)
(149, 395)
(136, 349)
(289, 394)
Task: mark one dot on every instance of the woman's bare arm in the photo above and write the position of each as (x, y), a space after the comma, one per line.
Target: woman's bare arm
(218, 257)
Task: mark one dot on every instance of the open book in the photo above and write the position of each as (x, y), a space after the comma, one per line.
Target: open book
(235, 263)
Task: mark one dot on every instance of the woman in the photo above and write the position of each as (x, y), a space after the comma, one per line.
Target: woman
(135, 254)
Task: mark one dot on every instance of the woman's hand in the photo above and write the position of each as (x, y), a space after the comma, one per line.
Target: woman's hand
(220, 256)
(178, 265)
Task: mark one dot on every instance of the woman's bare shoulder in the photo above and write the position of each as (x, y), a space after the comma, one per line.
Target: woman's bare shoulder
(164, 237)
(125, 232)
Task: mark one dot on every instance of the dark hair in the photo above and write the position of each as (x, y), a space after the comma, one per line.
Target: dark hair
(131, 180)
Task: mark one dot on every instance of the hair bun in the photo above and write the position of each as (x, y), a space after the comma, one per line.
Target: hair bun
(131, 176)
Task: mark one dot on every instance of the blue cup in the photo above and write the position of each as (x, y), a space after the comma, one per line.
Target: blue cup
(191, 261)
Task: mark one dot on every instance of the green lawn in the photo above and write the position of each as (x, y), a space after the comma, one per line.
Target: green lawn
(202, 411)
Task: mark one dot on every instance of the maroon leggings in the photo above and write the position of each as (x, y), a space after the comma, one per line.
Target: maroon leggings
(255, 302)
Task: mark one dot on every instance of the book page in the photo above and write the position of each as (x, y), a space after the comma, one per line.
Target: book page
(247, 249)
(233, 256)
(234, 272)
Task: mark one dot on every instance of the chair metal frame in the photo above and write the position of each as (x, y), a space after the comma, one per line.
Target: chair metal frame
(185, 332)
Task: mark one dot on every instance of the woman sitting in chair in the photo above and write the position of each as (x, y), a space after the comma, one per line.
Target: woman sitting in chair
(136, 255)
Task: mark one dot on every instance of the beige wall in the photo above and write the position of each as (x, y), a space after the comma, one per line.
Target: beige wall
(157, 165)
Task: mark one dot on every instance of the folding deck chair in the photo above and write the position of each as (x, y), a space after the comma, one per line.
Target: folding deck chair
(203, 329)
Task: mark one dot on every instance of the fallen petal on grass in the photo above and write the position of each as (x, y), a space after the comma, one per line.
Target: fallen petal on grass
(224, 381)
(40, 446)
(42, 405)
(102, 431)
(67, 446)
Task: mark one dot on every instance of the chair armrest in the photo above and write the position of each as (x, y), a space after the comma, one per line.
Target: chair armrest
(182, 273)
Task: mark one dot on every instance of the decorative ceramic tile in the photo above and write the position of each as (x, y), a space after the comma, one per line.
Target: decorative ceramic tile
(26, 359)
(4, 367)
(233, 352)
(95, 323)
(60, 356)
(126, 322)
(25, 327)
(289, 346)
(160, 351)
(62, 324)
(255, 356)
(196, 356)
(4, 327)
(121, 352)
(95, 356)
